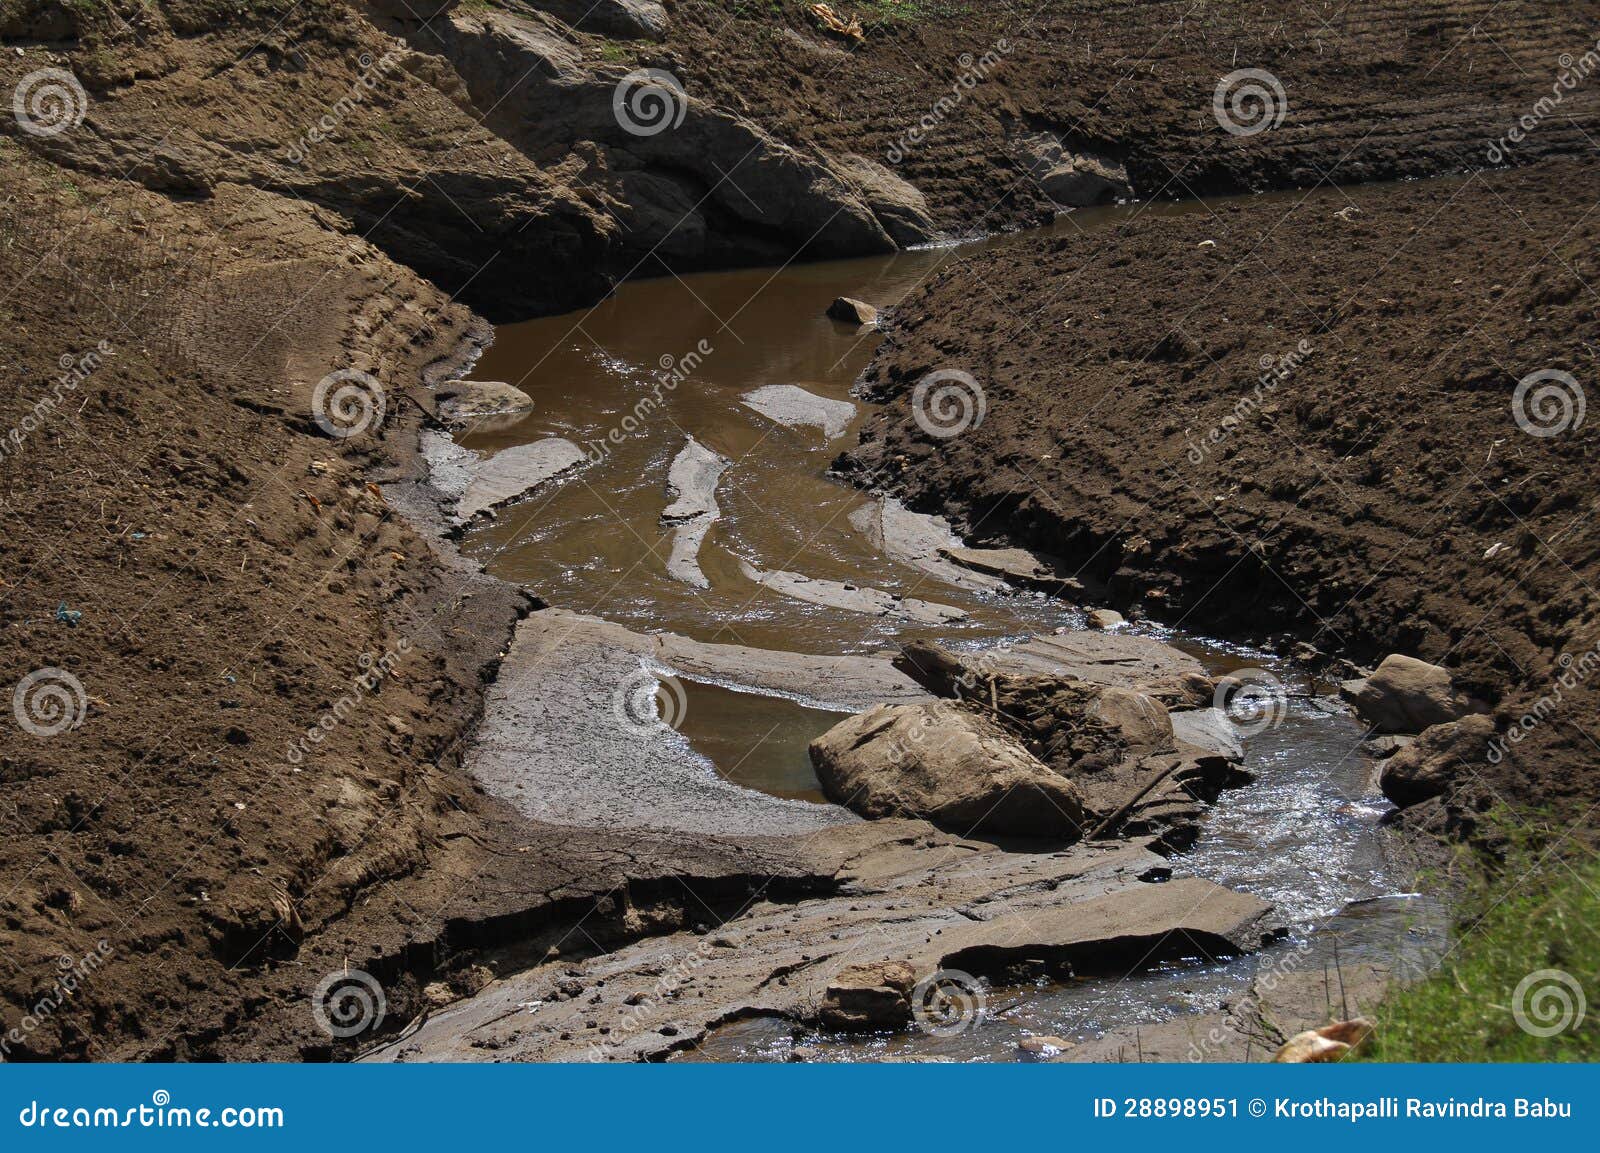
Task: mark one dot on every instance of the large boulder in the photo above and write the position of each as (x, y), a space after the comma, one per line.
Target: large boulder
(1428, 766)
(1406, 695)
(948, 766)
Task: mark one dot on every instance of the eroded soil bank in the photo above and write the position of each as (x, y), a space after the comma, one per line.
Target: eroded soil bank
(1301, 417)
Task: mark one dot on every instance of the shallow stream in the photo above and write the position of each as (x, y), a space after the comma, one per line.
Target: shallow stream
(1305, 836)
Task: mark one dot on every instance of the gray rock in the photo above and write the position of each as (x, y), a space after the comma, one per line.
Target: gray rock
(692, 482)
(948, 766)
(631, 19)
(1381, 748)
(921, 541)
(1101, 658)
(792, 406)
(1406, 695)
(1141, 720)
(1017, 566)
(1209, 730)
(915, 897)
(1104, 619)
(899, 206)
(1072, 180)
(655, 150)
(868, 997)
(515, 472)
(852, 598)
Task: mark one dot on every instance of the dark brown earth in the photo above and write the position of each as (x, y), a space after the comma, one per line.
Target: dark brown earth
(233, 565)
(1379, 497)
(1381, 89)
(237, 573)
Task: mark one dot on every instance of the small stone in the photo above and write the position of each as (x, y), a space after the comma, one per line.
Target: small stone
(852, 311)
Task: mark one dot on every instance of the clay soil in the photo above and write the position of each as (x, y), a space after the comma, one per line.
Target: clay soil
(1378, 495)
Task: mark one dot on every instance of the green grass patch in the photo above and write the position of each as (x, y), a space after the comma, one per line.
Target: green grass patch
(1526, 962)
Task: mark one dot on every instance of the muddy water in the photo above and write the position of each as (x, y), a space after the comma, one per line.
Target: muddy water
(1304, 836)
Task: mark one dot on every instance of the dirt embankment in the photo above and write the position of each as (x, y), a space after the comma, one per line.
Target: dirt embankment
(1380, 89)
(1298, 416)
(237, 683)
(518, 161)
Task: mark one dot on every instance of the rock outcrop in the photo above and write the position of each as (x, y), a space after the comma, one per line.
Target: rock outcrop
(868, 997)
(1072, 179)
(695, 184)
(1115, 742)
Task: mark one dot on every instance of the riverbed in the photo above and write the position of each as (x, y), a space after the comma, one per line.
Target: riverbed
(1305, 835)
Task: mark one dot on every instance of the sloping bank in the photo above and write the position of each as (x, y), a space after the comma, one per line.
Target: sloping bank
(1349, 420)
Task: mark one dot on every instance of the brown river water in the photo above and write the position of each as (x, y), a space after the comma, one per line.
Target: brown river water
(1304, 836)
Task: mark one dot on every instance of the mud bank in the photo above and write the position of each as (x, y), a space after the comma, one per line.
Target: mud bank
(1345, 459)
